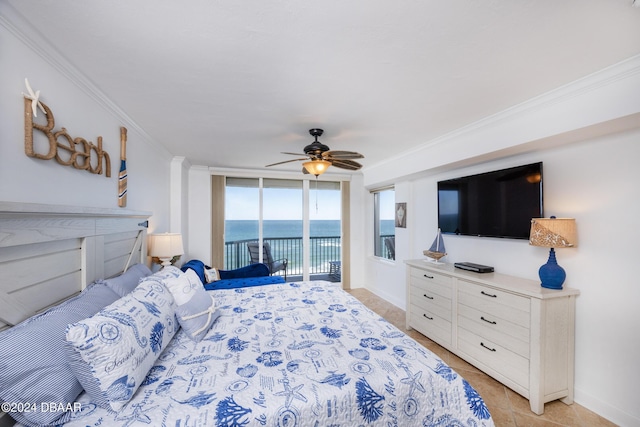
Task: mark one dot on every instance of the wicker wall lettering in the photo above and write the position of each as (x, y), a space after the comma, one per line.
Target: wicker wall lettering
(67, 151)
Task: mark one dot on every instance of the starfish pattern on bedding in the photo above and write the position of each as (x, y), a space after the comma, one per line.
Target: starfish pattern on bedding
(138, 415)
(291, 393)
(414, 381)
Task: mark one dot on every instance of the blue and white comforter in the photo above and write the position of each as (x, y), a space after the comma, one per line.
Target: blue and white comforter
(296, 354)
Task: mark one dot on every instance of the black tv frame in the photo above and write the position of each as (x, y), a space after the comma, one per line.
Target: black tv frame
(498, 203)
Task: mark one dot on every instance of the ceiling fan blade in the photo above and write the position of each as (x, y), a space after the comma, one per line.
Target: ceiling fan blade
(293, 154)
(345, 164)
(286, 161)
(342, 155)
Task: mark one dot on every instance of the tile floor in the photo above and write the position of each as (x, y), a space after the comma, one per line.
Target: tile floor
(508, 408)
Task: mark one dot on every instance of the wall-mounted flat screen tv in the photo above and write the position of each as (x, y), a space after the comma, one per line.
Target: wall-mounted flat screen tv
(493, 204)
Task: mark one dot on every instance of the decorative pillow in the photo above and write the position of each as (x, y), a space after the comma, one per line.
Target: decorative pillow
(196, 309)
(211, 274)
(197, 266)
(184, 286)
(33, 367)
(111, 352)
(251, 270)
(167, 272)
(244, 283)
(127, 281)
(198, 315)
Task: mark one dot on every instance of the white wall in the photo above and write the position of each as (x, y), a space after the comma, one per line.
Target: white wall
(83, 111)
(589, 174)
(200, 200)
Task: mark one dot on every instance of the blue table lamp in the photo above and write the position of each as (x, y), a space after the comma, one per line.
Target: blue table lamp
(553, 233)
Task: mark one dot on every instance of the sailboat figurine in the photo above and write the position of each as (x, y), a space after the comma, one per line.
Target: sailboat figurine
(437, 250)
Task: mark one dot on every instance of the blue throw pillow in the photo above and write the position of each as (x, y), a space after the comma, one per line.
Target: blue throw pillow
(127, 281)
(244, 283)
(33, 364)
(251, 270)
(197, 266)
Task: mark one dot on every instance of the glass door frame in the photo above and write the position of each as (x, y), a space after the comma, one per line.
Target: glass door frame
(306, 215)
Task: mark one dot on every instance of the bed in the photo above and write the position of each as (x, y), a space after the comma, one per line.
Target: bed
(292, 354)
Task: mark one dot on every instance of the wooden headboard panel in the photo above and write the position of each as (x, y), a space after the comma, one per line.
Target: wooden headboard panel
(49, 253)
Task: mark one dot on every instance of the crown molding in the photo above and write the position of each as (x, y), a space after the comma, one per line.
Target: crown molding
(255, 173)
(590, 83)
(17, 25)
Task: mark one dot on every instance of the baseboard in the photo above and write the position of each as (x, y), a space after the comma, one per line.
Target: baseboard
(605, 410)
(390, 298)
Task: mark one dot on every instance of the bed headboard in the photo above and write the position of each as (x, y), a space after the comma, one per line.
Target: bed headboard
(49, 252)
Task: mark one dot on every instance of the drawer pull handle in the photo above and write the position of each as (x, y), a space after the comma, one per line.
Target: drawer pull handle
(488, 348)
(427, 276)
(488, 321)
(427, 296)
(489, 295)
(430, 318)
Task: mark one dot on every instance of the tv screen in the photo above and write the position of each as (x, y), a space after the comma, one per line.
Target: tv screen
(493, 204)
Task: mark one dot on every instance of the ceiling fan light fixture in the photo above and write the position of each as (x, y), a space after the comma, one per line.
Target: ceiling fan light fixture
(316, 167)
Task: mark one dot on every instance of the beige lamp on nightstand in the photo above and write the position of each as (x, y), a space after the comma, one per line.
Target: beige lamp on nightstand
(165, 246)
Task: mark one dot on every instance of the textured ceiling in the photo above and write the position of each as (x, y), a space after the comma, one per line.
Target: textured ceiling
(234, 83)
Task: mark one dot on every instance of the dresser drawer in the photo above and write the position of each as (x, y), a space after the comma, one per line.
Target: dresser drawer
(495, 303)
(491, 354)
(431, 304)
(509, 335)
(424, 276)
(431, 325)
(427, 294)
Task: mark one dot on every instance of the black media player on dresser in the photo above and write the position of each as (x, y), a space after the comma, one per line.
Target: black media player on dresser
(470, 266)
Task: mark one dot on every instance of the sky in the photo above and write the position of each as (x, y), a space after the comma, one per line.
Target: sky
(280, 204)
(242, 203)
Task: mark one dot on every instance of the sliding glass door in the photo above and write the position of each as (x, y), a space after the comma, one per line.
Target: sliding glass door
(299, 220)
(242, 220)
(282, 223)
(325, 229)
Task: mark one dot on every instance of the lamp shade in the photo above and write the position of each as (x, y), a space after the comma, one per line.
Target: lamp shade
(166, 245)
(316, 167)
(553, 232)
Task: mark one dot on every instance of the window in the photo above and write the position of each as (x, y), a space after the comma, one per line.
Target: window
(384, 223)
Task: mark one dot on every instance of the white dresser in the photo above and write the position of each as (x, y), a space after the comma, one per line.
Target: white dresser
(511, 328)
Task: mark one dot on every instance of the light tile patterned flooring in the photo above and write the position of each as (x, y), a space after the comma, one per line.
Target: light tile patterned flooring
(507, 408)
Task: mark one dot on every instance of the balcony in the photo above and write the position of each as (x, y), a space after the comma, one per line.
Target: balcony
(325, 253)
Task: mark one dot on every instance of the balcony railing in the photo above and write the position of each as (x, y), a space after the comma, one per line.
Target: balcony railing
(324, 251)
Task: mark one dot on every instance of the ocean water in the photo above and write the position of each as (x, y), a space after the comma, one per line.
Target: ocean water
(248, 229)
(322, 251)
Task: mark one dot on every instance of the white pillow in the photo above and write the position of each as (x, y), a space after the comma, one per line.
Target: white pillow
(195, 309)
(212, 274)
(112, 351)
(183, 287)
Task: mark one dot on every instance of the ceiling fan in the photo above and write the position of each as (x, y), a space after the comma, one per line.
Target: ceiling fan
(319, 157)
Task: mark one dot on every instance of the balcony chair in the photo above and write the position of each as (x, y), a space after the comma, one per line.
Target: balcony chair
(267, 258)
(390, 243)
